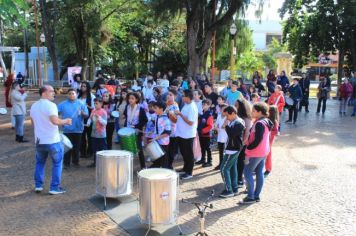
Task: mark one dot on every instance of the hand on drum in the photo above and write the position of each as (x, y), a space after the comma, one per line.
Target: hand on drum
(67, 121)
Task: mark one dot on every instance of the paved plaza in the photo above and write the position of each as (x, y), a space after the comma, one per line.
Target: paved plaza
(311, 190)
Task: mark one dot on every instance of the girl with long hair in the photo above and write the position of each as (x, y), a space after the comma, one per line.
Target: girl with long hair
(109, 106)
(274, 117)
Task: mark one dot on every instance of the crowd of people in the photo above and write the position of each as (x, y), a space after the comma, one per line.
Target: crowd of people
(181, 114)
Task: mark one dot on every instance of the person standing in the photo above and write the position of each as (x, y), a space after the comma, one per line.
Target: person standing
(304, 85)
(210, 94)
(274, 117)
(271, 82)
(222, 135)
(234, 127)
(18, 97)
(283, 81)
(44, 116)
(109, 106)
(256, 151)
(73, 108)
(323, 93)
(233, 95)
(8, 83)
(186, 131)
(345, 95)
(295, 94)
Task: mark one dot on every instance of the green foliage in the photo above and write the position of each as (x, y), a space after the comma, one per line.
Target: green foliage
(12, 12)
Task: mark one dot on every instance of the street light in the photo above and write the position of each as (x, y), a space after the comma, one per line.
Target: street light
(43, 40)
(233, 30)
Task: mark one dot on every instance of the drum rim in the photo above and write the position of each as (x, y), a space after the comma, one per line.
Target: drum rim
(125, 153)
(127, 128)
(173, 175)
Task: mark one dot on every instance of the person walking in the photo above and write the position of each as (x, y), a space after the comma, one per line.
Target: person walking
(304, 85)
(73, 108)
(345, 94)
(44, 116)
(18, 97)
(296, 94)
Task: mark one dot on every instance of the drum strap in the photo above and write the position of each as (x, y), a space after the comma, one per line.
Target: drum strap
(276, 103)
(131, 113)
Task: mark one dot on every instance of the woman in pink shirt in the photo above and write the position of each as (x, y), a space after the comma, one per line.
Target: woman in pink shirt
(256, 151)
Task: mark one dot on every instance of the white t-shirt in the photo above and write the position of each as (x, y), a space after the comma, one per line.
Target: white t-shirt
(183, 129)
(45, 131)
(222, 135)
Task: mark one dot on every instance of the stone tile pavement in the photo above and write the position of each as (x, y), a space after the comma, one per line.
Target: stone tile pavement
(311, 190)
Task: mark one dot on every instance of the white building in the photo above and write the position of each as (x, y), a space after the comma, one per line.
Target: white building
(263, 32)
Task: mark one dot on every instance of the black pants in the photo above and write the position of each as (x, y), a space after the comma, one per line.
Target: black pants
(186, 148)
(293, 112)
(140, 151)
(98, 144)
(221, 147)
(85, 147)
(319, 105)
(73, 154)
(205, 149)
(110, 128)
(304, 102)
(172, 151)
(163, 161)
(241, 164)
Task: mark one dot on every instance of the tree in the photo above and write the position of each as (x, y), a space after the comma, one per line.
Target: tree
(203, 18)
(324, 26)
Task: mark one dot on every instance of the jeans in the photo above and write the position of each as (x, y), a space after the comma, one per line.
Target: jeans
(73, 154)
(354, 112)
(19, 124)
(110, 127)
(254, 164)
(319, 105)
(228, 171)
(172, 151)
(186, 148)
(343, 104)
(98, 144)
(55, 150)
(205, 149)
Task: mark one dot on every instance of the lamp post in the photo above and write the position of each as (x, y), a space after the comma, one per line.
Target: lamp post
(35, 10)
(233, 31)
(43, 40)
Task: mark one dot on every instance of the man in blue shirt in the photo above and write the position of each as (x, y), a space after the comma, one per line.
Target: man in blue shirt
(233, 95)
(77, 111)
(283, 81)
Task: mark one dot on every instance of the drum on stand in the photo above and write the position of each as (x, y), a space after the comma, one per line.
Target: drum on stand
(128, 139)
(158, 196)
(114, 173)
(154, 150)
(66, 143)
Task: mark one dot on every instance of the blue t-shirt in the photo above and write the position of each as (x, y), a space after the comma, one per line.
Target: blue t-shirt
(70, 109)
(232, 97)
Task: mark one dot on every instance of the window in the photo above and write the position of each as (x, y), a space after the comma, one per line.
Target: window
(270, 37)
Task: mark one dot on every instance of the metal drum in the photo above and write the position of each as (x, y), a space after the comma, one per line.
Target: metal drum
(66, 143)
(158, 196)
(128, 139)
(289, 101)
(113, 173)
(154, 150)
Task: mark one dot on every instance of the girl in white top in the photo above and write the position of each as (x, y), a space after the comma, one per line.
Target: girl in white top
(222, 135)
(198, 99)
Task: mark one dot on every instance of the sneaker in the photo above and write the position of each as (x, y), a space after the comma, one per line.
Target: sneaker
(208, 164)
(235, 191)
(279, 133)
(38, 189)
(307, 111)
(287, 121)
(247, 200)
(201, 162)
(266, 173)
(294, 122)
(58, 191)
(226, 194)
(257, 199)
(186, 176)
(92, 165)
(240, 184)
(217, 167)
(353, 114)
(180, 171)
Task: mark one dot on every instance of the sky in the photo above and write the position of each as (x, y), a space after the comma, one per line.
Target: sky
(270, 10)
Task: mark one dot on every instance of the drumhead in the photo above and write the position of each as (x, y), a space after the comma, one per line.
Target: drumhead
(157, 174)
(126, 131)
(115, 114)
(66, 141)
(114, 153)
(289, 101)
(3, 111)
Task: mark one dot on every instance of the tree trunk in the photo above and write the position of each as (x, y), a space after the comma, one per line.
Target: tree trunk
(194, 60)
(49, 32)
(353, 49)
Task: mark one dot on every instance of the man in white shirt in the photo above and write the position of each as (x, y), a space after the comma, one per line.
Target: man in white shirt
(44, 116)
(186, 131)
(148, 91)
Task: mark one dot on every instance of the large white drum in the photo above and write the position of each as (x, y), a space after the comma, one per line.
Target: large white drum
(154, 150)
(158, 196)
(67, 144)
(114, 173)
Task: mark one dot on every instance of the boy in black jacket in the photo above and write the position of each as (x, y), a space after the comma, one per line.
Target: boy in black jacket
(234, 127)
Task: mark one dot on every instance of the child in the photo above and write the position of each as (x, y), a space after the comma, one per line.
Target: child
(255, 98)
(162, 130)
(222, 135)
(221, 103)
(197, 96)
(101, 90)
(233, 95)
(234, 127)
(150, 126)
(205, 125)
(172, 106)
(256, 151)
(274, 117)
(277, 99)
(135, 117)
(98, 134)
